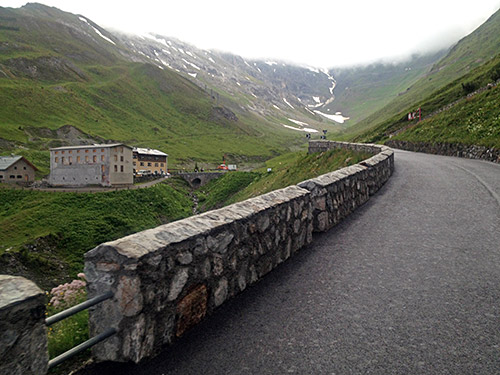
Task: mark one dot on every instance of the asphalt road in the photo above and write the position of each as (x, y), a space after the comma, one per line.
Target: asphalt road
(409, 284)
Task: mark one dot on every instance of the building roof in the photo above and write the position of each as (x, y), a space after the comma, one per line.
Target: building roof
(7, 161)
(105, 145)
(148, 151)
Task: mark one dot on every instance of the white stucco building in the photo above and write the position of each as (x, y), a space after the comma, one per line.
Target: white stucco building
(98, 164)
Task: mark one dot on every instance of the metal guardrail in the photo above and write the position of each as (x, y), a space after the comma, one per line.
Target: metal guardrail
(90, 342)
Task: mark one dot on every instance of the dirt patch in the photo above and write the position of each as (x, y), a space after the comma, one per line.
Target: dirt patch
(66, 135)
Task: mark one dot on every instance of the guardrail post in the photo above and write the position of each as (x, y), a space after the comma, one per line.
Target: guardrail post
(23, 334)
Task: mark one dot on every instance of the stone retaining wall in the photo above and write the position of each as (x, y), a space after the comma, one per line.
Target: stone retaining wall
(166, 279)
(449, 149)
(337, 194)
(23, 335)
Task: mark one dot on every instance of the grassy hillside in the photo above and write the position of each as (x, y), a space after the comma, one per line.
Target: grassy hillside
(45, 234)
(472, 120)
(55, 71)
(476, 121)
(286, 170)
(474, 50)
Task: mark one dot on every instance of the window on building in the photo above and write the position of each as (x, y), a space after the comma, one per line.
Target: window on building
(142, 164)
(161, 165)
(121, 158)
(116, 168)
(86, 158)
(70, 159)
(69, 152)
(94, 150)
(116, 157)
(86, 151)
(77, 151)
(156, 164)
(103, 168)
(57, 152)
(19, 176)
(62, 152)
(121, 149)
(56, 159)
(102, 150)
(12, 177)
(24, 168)
(149, 164)
(77, 159)
(62, 160)
(15, 168)
(134, 163)
(94, 158)
(1, 176)
(102, 157)
(121, 168)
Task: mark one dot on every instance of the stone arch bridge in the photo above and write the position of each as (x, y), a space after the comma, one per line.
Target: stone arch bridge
(197, 179)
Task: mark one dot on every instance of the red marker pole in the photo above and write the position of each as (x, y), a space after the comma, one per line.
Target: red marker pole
(419, 114)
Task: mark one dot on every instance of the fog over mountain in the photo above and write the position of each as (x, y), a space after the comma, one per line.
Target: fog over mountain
(321, 34)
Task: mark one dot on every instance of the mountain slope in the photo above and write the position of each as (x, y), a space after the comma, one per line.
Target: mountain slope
(463, 112)
(360, 91)
(65, 79)
(473, 50)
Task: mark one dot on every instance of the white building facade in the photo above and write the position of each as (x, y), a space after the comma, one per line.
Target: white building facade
(99, 164)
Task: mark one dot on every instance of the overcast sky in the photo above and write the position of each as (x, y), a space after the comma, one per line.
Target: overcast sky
(320, 33)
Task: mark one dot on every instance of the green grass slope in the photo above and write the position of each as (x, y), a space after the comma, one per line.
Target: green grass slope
(287, 169)
(476, 121)
(360, 91)
(471, 120)
(472, 51)
(45, 234)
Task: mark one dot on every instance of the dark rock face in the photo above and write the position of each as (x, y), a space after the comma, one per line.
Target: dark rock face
(219, 113)
(45, 68)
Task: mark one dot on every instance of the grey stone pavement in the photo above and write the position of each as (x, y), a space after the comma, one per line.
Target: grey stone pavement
(409, 284)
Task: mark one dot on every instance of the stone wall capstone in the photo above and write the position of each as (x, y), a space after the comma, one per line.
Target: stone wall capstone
(23, 334)
(167, 279)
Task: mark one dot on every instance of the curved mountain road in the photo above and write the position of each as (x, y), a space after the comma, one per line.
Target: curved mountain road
(409, 284)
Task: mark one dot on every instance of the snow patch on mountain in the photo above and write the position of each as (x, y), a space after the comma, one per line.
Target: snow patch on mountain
(97, 31)
(286, 102)
(299, 122)
(190, 63)
(337, 117)
(307, 130)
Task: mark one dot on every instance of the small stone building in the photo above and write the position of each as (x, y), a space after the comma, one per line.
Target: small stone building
(16, 169)
(98, 164)
(147, 159)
